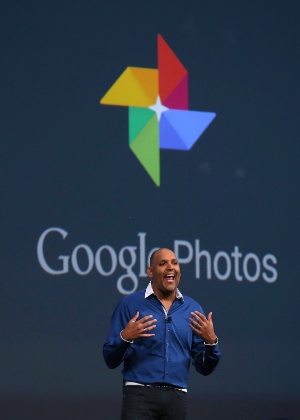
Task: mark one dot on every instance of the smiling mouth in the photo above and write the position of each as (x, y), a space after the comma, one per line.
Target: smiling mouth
(169, 278)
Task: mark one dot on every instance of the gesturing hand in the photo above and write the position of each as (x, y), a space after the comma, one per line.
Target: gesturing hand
(135, 329)
(203, 326)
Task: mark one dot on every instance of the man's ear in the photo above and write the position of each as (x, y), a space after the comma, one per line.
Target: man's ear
(149, 271)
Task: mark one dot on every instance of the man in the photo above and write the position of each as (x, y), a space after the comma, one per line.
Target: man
(157, 332)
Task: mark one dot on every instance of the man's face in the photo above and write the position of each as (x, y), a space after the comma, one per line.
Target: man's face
(164, 272)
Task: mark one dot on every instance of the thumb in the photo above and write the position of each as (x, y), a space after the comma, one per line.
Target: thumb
(135, 316)
(210, 317)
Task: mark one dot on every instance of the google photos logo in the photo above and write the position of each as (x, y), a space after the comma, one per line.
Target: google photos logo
(157, 101)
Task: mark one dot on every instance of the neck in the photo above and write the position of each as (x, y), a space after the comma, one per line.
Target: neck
(165, 296)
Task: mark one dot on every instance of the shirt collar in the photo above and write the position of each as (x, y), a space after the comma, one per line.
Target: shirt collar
(149, 292)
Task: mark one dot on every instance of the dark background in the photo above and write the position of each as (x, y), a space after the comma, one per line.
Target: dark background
(65, 162)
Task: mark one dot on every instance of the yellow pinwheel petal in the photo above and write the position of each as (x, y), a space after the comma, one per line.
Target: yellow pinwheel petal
(135, 87)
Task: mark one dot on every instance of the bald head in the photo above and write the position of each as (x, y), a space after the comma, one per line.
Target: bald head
(156, 253)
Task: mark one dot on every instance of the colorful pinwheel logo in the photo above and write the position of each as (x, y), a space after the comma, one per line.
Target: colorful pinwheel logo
(159, 117)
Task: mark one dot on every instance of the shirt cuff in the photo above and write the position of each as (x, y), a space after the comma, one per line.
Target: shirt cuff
(207, 344)
(127, 341)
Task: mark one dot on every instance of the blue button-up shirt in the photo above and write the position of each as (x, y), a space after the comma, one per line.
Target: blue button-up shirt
(165, 357)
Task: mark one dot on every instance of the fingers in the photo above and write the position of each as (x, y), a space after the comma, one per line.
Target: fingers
(139, 327)
(145, 322)
(203, 326)
(199, 316)
(194, 325)
(135, 317)
(200, 322)
(144, 319)
(197, 320)
(148, 325)
(143, 326)
(146, 331)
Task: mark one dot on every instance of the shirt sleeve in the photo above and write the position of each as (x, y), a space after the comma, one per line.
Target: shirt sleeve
(114, 348)
(206, 359)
